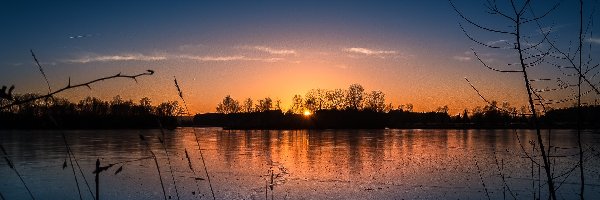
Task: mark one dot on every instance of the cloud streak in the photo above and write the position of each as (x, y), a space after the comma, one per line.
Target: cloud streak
(112, 58)
(462, 58)
(227, 58)
(369, 52)
(141, 57)
(271, 50)
(594, 40)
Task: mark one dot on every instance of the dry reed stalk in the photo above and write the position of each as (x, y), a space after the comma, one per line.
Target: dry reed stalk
(71, 159)
(481, 178)
(12, 166)
(187, 156)
(168, 160)
(204, 164)
(197, 141)
(162, 185)
(505, 186)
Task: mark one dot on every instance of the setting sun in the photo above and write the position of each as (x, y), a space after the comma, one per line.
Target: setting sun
(307, 113)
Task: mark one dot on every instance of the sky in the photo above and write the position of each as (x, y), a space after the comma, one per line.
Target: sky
(413, 51)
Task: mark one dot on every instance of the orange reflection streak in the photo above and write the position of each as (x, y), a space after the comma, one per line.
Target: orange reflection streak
(349, 160)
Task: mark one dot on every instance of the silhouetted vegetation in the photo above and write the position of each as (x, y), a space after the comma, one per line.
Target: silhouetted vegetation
(355, 109)
(88, 113)
(488, 118)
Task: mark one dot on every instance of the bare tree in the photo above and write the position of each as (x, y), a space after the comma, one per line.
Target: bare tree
(264, 105)
(375, 101)
(354, 96)
(228, 105)
(297, 104)
(528, 55)
(247, 107)
(336, 99)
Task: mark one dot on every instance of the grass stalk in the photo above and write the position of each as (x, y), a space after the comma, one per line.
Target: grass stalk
(481, 178)
(187, 156)
(505, 187)
(162, 185)
(204, 164)
(12, 166)
(162, 142)
(71, 159)
(97, 179)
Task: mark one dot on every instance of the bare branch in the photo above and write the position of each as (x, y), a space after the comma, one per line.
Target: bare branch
(542, 16)
(525, 5)
(568, 58)
(69, 86)
(494, 10)
(477, 25)
(486, 101)
(476, 41)
(491, 68)
(41, 70)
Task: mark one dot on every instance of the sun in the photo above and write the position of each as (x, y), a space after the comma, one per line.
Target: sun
(307, 113)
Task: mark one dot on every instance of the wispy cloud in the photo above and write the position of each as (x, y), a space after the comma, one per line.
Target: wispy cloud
(271, 50)
(496, 42)
(111, 58)
(212, 58)
(227, 58)
(462, 58)
(370, 52)
(594, 40)
(162, 57)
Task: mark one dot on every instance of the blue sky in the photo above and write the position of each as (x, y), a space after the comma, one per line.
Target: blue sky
(414, 51)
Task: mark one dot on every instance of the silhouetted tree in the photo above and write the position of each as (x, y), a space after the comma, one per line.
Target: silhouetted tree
(336, 99)
(93, 105)
(169, 108)
(228, 105)
(297, 104)
(375, 101)
(409, 107)
(317, 99)
(354, 97)
(247, 107)
(389, 107)
(278, 104)
(443, 109)
(465, 116)
(519, 15)
(118, 106)
(264, 105)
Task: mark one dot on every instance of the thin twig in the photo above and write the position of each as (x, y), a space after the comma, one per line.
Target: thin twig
(69, 86)
(187, 156)
(162, 185)
(489, 102)
(501, 173)
(162, 142)
(41, 70)
(205, 169)
(481, 178)
(14, 168)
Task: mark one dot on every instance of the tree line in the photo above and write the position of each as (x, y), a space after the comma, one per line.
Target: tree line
(90, 112)
(355, 108)
(354, 98)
